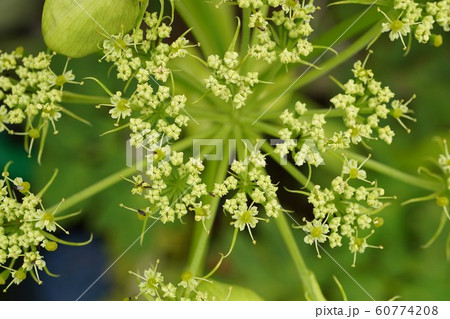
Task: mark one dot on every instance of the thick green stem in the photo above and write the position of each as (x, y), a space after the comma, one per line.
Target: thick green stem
(94, 189)
(76, 98)
(215, 173)
(310, 284)
(268, 128)
(245, 39)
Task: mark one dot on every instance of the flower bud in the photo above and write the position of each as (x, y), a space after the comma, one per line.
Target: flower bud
(436, 40)
(442, 201)
(51, 246)
(75, 28)
(378, 222)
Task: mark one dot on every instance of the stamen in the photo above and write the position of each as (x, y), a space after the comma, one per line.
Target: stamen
(129, 208)
(251, 235)
(317, 249)
(385, 15)
(60, 227)
(37, 275)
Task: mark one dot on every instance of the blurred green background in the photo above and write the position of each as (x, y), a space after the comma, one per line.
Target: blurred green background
(83, 157)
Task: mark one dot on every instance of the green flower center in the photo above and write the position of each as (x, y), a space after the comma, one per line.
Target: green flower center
(291, 3)
(186, 276)
(159, 154)
(34, 133)
(398, 113)
(200, 212)
(151, 282)
(122, 105)
(60, 80)
(120, 44)
(353, 172)
(48, 217)
(396, 25)
(246, 217)
(20, 275)
(356, 131)
(359, 242)
(442, 201)
(316, 232)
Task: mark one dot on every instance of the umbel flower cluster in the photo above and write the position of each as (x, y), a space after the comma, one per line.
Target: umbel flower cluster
(282, 30)
(171, 185)
(249, 187)
(152, 286)
(417, 19)
(143, 57)
(226, 83)
(345, 209)
(26, 229)
(363, 107)
(281, 35)
(276, 33)
(30, 94)
(142, 54)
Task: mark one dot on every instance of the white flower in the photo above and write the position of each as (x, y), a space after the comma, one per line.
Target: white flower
(359, 245)
(169, 291)
(353, 171)
(151, 281)
(237, 166)
(317, 233)
(400, 110)
(246, 218)
(335, 240)
(364, 221)
(386, 134)
(397, 28)
(121, 107)
(188, 280)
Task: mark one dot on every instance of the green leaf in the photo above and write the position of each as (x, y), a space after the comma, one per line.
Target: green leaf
(224, 292)
(75, 28)
(211, 26)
